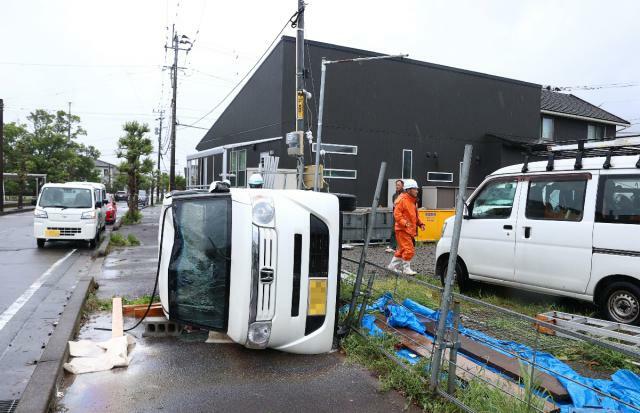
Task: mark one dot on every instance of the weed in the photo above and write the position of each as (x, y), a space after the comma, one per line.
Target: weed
(132, 240)
(132, 217)
(93, 304)
(117, 240)
(145, 299)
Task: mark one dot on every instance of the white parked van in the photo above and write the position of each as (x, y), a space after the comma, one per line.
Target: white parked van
(70, 211)
(569, 227)
(259, 265)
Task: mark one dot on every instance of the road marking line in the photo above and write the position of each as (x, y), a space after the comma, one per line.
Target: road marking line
(21, 301)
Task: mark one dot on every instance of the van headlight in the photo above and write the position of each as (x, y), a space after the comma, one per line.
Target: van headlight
(88, 215)
(40, 213)
(258, 334)
(263, 211)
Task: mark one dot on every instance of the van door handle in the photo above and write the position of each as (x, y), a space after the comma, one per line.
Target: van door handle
(527, 232)
(508, 227)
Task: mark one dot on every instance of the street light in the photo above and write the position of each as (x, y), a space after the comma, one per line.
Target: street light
(321, 109)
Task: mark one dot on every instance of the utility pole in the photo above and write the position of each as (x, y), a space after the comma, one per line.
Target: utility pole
(176, 42)
(69, 126)
(161, 111)
(1, 155)
(300, 95)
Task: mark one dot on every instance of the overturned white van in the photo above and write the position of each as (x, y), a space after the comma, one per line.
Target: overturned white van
(258, 265)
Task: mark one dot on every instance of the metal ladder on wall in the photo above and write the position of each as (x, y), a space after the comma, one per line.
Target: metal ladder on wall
(618, 334)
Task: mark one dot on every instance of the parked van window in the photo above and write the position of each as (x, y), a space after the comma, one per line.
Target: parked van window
(619, 199)
(495, 201)
(556, 200)
(65, 198)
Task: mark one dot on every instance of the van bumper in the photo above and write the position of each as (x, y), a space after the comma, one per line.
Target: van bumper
(68, 230)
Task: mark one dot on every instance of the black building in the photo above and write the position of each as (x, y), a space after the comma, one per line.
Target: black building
(416, 116)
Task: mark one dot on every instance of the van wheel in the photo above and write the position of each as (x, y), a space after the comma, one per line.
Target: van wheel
(94, 241)
(40, 242)
(621, 302)
(460, 276)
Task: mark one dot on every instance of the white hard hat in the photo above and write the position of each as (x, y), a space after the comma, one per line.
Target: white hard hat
(255, 180)
(410, 183)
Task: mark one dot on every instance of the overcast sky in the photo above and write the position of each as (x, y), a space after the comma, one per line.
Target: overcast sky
(107, 57)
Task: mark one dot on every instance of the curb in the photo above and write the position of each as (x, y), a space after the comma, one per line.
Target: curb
(17, 211)
(43, 384)
(101, 251)
(117, 225)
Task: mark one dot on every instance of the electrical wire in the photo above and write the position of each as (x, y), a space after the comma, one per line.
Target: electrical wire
(275, 39)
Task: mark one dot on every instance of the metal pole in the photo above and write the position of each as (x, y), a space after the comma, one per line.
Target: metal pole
(174, 122)
(1, 155)
(159, 151)
(453, 256)
(453, 353)
(300, 85)
(363, 255)
(316, 182)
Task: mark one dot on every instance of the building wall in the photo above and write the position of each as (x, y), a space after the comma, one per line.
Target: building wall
(382, 107)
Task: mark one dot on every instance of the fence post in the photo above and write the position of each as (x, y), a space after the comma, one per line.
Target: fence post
(436, 359)
(363, 255)
(453, 353)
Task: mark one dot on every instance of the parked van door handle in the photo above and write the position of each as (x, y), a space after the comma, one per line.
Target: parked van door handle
(527, 232)
(508, 227)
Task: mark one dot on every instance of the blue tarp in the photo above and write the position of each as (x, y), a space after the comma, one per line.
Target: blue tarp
(624, 384)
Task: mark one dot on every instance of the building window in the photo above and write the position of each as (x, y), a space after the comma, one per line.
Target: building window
(337, 149)
(595, 132)
(340, 174)
(439, 177)
(407, 163)
(561, 200)
(547, 129)
(238, 169)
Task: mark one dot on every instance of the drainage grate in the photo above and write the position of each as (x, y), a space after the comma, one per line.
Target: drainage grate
(8, 406)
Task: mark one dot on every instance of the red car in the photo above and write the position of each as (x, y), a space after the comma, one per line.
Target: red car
(112, 210)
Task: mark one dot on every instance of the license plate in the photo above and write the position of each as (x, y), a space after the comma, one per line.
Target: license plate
(52, 233)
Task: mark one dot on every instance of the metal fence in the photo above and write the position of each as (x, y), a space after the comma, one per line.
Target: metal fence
(487, 348)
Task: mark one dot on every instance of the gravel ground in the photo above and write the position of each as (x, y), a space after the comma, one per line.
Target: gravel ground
(423, 262)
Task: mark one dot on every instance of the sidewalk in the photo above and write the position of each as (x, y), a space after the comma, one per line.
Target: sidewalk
(185, 374)
(16, 210)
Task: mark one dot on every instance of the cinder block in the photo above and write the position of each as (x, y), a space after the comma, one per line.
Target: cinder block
(160, 327)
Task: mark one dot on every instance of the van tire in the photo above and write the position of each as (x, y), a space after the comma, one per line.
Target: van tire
(94, 242)
(40, 242)
(620, 302)
(462, 278)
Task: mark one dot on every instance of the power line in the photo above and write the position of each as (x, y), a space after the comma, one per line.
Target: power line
(250, 70)
(69, 65)
(591, 87)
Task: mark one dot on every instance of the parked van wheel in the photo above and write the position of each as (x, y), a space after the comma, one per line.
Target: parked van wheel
(40, 242)
(621, 302)
(460, 276)
(94, 242)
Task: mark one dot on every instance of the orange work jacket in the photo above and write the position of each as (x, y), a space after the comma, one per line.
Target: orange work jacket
(406, 211)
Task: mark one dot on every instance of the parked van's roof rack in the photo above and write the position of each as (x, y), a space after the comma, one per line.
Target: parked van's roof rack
(579, 149)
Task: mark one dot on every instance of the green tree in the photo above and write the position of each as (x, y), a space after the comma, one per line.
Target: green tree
(181, 182)
(17, 149)
(133, 148)
(56, 153)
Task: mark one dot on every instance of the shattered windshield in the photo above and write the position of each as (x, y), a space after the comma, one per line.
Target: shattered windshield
(201, 261)
(53, 197)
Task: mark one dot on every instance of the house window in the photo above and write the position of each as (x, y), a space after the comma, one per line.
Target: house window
(439, 177)
(407, 163)
(547, 129)
(238, 169)
(340, 174)
(338, 149)
(595, 132)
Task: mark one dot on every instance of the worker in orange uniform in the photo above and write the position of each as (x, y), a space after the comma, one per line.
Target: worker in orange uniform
(407, 222)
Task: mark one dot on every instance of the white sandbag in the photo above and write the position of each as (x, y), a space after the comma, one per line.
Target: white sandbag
(90, 356)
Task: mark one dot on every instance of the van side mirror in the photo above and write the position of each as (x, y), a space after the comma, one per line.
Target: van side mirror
(467, 211)
(98, 204)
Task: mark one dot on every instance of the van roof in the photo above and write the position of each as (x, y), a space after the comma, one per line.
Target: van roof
(69, 184)
(595, 163)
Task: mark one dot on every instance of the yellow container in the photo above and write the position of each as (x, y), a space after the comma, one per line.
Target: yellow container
(433, 219)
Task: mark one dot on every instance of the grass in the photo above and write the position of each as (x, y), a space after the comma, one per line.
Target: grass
(132, 217)
(118, 240)
(95, 304)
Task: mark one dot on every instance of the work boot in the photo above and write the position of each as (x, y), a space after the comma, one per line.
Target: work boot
(395, 264)
(406, 268)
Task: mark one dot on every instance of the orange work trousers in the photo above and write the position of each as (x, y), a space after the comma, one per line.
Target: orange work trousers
(406, 249)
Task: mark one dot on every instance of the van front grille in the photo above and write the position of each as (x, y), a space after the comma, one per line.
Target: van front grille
(67, 232)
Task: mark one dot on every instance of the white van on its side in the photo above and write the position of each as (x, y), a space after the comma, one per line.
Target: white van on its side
(557, 229)
(70, 211)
